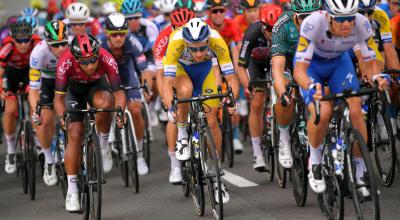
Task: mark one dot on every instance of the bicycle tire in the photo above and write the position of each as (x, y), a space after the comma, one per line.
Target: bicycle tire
(31, 159)
(197, 186)
(280, 170)
(185, 167)
(121, 161)
(268, 150)
(331, 200)
(353, 137)
(384, 153)
(132, 156)
(95, 176)
(146, 138)
(207, 142)
(298, 173)
(227, 137)
(60, 167)
(21, 161)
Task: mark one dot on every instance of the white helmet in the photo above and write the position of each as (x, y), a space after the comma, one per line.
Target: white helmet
(196, 30)
(341, 7)
(108, 8)
(166, 6)
(199, 6)
(77, 12)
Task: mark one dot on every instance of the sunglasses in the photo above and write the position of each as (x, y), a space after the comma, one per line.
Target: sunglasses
(115, 35)
(22, 40)
(344, 19)
(88, 61)
(200, 49)
(133, 18)
(369, 12)
(59, 44)
(78, 24)
(302, 16)
(216, 11)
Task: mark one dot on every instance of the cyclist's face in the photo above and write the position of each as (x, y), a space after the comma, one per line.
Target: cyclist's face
(198, 50)
(89, 68)
(217, 15)
(22, 47)
(79, 28)
(117, 39)
(57, 50)
(134, 23)
(342, 29)
(252, 15)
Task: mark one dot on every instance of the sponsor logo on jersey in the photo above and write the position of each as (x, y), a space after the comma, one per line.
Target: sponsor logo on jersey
(371, 44)
(34, 75)
(160, 46)
(244, 48)
(141, 59)
(307, 28)
(170, 69)
(111, 62)
(35, 61)
(63, 68)
(367, 26)
(303, 44)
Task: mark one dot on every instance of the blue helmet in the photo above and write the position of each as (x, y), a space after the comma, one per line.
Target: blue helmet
(29, 11)
(32, 21)
(130, 7)
(366, 4)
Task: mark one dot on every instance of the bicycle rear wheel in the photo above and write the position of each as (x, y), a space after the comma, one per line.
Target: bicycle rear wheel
(131, 156)
(146, 138)
(268, 150)
(280, 170)
(186, 176)
(298, 173)
(384, 148)
(227, 137)
(94, 176)
(31, 159)
(197, 186)
(367, 207)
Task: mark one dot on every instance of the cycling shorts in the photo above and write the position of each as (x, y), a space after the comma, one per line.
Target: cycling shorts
(258, 71)
(17, 79)
(47, 92)
(339, 73)
(203, 79)
(79, 94)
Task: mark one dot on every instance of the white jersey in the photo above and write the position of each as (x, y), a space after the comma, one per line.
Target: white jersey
(43, 60)
(315, 37)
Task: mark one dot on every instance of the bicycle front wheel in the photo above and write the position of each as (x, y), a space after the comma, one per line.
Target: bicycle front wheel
(146, 138)
(227, 137)
(131, 156)
(95, 176)
(31, 159)
(268, 149)
(364, 192)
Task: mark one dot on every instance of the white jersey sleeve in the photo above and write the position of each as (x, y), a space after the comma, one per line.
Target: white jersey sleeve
(309, 30)
(366, 42)
(151, 31)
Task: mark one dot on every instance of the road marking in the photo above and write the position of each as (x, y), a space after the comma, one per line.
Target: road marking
(237, 180)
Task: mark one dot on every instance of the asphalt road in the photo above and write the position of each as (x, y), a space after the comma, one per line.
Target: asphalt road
(158, 199)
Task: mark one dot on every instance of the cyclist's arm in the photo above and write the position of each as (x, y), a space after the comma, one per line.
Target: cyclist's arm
(391, 58)
(59, 106)
(167, 90)
(234, 84)
(368, 48)
(303, 56)
(235, 54)
(34, 87)
(278, 68)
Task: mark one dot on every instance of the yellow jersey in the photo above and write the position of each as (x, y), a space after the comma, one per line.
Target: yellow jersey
(178, 54)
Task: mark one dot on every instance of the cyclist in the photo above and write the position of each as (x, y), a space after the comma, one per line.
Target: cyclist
(14, 75)
(200, 7)
(321, 57)
(165, 7)
(251, 14)
(232, 35)
(43, 63)
(78, 18)
(85, 74)
(285, 35)
(63, 5)
(188, 66)
(254, 57)
(130, 61)
(179, 17)
(106, 9)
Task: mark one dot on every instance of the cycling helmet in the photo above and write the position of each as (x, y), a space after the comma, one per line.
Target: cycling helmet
(216, 3)
(199, 5)
(77, 12)
(184, 4)
(32, 21)
(269, 14)
(11, 20)
(84, 45)
(304, 6)
(246, 4)
(181, 16)
(341, 7)
(66, 3)
(21, 29)
(196, 31)
(366, 4)
(55, 30)
(28, 11)
(166, 6)
(130, 7)
(108, 8)
(116, 22)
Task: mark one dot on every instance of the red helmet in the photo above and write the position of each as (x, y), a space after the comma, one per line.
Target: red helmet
(269, 14)
(66, 3)
(181, 16)
(84, 45)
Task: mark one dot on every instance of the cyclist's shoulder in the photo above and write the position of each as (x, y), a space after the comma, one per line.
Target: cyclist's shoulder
(381, 17)
(283, 21)
(40, 50)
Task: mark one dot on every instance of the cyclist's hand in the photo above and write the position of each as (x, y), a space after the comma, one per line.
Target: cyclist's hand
(120, 120)
(233, 110)
(36, 118)
(285, 99)
(62, 123)
(147, 96)
(315, 91)
(382, 81)
(248, 93)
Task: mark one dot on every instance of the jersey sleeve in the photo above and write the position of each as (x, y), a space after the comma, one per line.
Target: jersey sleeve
(111, 68)
(64, 69)
(151, 33)
(384, 25)
(5, 52)
(366, 41)
(175, 49)
(159, 48)
(306, 45)
(35, 63)
(279, 44)
(221, 51)
(248, 43)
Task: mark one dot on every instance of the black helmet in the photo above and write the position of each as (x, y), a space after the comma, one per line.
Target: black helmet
(246, 4)
(116, 22)
(216, 3)
(21, 30)
(55, 30)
